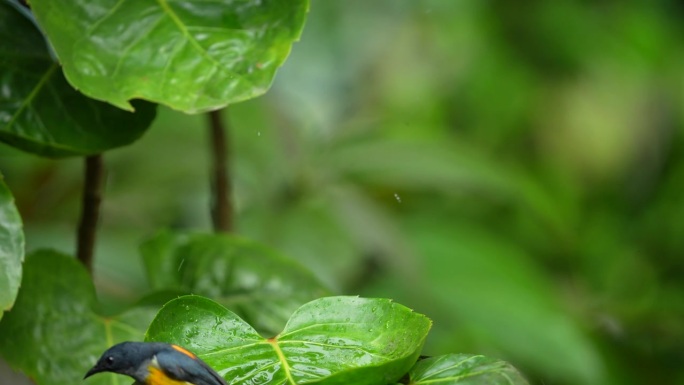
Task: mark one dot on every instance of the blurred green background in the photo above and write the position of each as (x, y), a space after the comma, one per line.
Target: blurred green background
(511, 169)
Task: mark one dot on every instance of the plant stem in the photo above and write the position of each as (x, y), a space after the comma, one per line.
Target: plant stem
(221, 208)
(90, 210)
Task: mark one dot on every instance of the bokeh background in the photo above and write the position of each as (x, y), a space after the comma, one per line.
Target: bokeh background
(514, 170)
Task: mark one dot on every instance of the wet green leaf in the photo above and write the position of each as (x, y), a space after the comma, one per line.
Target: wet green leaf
(191, 55)
(464, 369)
(11, 248)
(53, 333)
(41, 113)
(332, 340)
(252, 280)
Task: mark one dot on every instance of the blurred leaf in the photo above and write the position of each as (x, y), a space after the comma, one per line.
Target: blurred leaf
(494, 291)
(259, 284)
(53, 333)
(41, 113)
(308, 230)
(445, 167)
(465, 369)
(191, 55)
(11, 248)
(333, 340)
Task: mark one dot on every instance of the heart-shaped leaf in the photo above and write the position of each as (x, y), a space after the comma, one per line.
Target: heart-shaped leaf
(332, 340)
(41, 113)
(53, 333)
(464, 369)
(254, 281)
(11, 248)
(192, 55)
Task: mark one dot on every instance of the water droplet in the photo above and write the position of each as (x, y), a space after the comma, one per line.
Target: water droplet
(258, 133)
(397, 197)
(181, 264)
(218, 323)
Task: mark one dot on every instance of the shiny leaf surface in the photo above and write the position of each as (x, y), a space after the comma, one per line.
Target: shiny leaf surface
(191, 55)
(11, 248)
(332, 340)
(41, 113)
(256, 282)
(53, 333)
(464, 369)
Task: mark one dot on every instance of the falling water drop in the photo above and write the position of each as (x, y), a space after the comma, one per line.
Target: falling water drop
(397, 197)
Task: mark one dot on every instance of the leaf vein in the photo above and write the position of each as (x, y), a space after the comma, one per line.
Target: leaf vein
(317, 325)
(33, 94)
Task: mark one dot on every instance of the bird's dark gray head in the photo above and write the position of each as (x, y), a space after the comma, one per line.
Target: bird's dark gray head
(123, 358)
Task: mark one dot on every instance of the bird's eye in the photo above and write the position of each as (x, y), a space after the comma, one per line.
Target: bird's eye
(110, 360)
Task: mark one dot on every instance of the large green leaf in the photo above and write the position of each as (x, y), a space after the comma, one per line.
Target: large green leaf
(41, 113)
(192, 55)
(332, 340)
(464, 369)
(11, 248)
(53, 333)
(254, 281)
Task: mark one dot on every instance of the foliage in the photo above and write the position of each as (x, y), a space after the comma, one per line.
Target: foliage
(41, 113)
(191, 55)
(54, 330)
(464, 369)
(240, 274)
(332, 340)
(12, 250)
(513, 170)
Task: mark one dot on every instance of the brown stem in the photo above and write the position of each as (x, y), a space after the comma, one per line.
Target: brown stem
(90, 211)
(221, 208)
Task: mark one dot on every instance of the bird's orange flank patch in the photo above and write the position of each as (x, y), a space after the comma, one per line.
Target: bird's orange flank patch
(158, 377)
(184, 351)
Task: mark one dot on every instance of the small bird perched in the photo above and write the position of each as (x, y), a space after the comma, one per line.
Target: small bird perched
(155, 363)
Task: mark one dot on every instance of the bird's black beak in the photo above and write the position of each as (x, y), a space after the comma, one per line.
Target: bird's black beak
(92, 371)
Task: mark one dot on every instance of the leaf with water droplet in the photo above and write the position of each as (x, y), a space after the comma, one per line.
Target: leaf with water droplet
(41, 113)
(330, 340)
(255, 281)
(465, 369)
(53, 332)
(192, 56)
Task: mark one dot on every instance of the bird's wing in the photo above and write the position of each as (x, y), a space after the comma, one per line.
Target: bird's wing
(183, 367)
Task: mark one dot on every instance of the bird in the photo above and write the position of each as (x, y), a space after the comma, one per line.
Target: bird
(156, 363)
